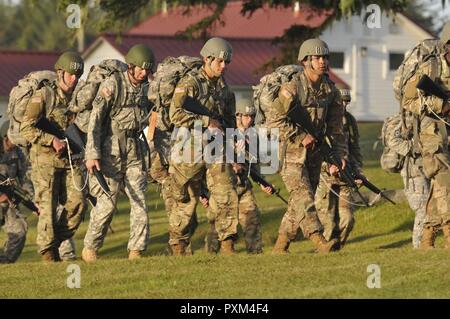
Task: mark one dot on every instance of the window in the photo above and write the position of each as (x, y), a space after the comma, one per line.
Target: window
(395, 59)
(337, 60)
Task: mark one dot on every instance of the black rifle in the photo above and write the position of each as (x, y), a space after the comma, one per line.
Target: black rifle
(430, 88)
(195, 107)
(16, 194)
(300, 117)
(76, 144)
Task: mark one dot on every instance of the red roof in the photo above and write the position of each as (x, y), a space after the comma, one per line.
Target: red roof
(266, 23)
(248, 54)
(17, 64)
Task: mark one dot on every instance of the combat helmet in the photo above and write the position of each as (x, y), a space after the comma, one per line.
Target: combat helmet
(445, 34)
(217, 48)
(71, 62)
(141, 56)
(312, 47)
(245, 106)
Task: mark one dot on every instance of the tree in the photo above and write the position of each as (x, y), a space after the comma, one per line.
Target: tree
(117, 13)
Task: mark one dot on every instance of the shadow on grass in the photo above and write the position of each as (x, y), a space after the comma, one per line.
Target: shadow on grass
(397, 244)
(406, 226)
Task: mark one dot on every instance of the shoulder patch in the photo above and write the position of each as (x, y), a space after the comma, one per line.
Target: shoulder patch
(106, 92)
(180, 90)
(36, 99)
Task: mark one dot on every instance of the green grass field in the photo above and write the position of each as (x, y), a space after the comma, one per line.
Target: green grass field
(381, 236)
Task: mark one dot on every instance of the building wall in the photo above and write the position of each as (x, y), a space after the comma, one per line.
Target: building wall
(104, 51)
(366, 61)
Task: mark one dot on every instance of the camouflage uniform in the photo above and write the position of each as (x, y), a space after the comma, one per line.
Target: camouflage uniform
(216, 96)
(249, 214)
(416, 184)
(53, 180)
(13, 164)
(331, 208)
(113, 138)
(301, 167)
(433, 145)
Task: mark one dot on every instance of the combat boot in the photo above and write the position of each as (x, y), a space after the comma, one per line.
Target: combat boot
(227, 247)
(428, 237)
(281, 245)
(178, 249)
(321, 244)
(446, 230)
(48, 256)
(134, 254)
(88, 255)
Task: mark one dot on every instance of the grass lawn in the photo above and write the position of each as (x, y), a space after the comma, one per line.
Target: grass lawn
(382, 237)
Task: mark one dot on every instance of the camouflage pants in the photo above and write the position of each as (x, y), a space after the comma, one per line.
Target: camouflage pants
(67, 247)
(15, 228)
(249, 220)
(301, 181)
(417, 190)
(223, 197)
(160, 173)
(183, 216)
(133, 179)
(335, 213)
(53, 187)
(436, 165)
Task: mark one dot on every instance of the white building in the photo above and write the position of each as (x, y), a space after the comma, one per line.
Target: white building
(367, 59)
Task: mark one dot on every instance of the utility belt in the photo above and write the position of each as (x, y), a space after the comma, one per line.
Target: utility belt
(123, 136)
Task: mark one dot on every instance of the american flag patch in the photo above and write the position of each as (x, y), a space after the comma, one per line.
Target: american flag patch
(179, 90)
(106, 92)
(286, 93)
(36, 99)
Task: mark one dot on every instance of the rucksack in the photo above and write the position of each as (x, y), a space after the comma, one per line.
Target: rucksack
(86, 91)
(161, 88)
(422, 52)
(19, 98)
(268, 88)
(391, 160)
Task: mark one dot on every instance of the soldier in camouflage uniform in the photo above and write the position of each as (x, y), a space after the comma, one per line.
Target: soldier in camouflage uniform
(333, 197)
(13, 164)
(208, 87)
(160, 145)
(416, 184)
(113, 146)
(433, 134)
(54, 181)
(300, 160)
(249, 215)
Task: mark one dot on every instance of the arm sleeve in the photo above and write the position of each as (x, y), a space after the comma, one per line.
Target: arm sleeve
(101, 106)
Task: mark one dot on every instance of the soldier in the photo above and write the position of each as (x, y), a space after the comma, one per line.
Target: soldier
(207, 87)
(416, 184)
(300, 160)
(13, 164)
(55, 179)
(333, 197)
(433, 114)
(113, 147)
(160, 142)
(249, 215)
